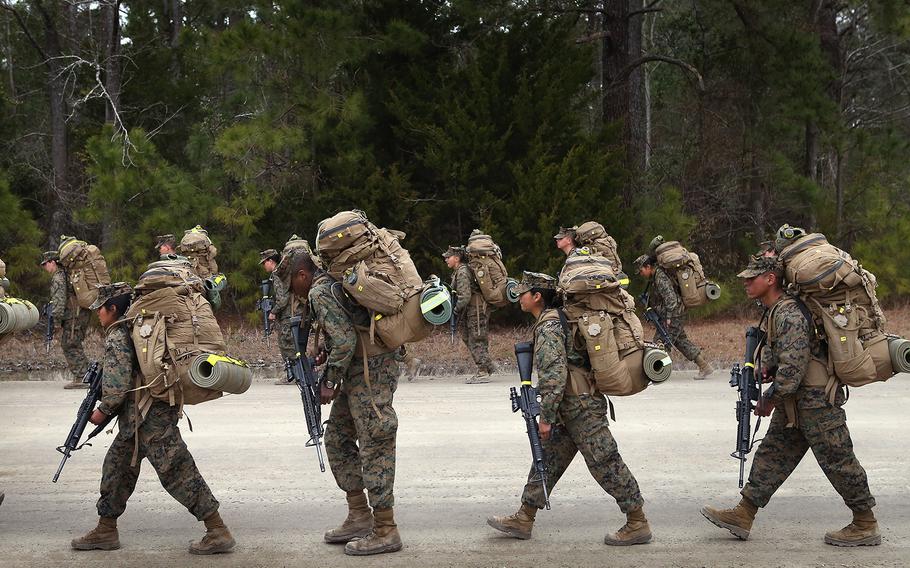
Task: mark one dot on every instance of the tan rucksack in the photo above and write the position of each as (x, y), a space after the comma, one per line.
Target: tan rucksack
(592, 235)
(694, 289)
(197, 246)
(840, 294)
(485, 262)
(172, 325)
(85, 268)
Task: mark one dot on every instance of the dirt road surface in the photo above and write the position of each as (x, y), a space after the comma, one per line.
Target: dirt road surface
(462, 456)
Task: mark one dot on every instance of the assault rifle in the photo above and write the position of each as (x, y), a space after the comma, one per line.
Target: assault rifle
(527, 402)
(302, 372)
(453, 321)
(266, 304)
(655, 320)
(48, 312)
(748, 387)
(93, 379)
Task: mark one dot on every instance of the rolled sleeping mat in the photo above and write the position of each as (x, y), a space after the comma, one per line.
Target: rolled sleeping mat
(436, 303)
(220, 373)
(899, 349)
(511, 286)
(213, 287)
(17, 315)
(712, 290)
(658, 365)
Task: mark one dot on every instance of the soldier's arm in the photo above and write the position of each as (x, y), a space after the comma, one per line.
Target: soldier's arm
(338, 328)
(793, 351)
(58, 294)
(552, 370)
(282, 296)
(667, 292)
(463, 287)
(117, 369)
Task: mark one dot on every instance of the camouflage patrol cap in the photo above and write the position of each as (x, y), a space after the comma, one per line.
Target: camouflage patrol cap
(759, 265)
(165, 240)
(454, 251)
(641, 261)
(267, 254)
(108, 291)
(48, 256)
(531, 280)
(566, 232)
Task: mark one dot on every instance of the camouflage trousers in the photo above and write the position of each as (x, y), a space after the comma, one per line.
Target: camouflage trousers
(681, 341)
(161, 443)
(72, 336)
(585, 429)
(285, 339)
(474, 323)
(361, 430)
(824, 431)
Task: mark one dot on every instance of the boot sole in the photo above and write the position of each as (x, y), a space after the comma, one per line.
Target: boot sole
(509, 531)
(643, 539)
(738, 532)
(868, 541)
(96, 546)
(387, 548)
(339, 539)
(223, 549)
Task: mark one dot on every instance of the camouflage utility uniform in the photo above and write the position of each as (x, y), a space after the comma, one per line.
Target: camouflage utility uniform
(664, 298)
(579, 423)
(821, 426)
(473, 317)
(159, 439)
(286, 307)
(73, 323)
(361, 432)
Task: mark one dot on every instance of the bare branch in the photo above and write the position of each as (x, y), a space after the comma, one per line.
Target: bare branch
(624, 74)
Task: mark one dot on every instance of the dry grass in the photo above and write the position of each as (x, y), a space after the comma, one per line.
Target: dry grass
(721, 337)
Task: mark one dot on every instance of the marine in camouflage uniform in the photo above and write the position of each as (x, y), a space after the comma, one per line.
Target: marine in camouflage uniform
(73, 320)
(360, 437)
(804, 418)
(577, 416)
(472, 314)
(285, 306)
(665, 300)
(155, 437)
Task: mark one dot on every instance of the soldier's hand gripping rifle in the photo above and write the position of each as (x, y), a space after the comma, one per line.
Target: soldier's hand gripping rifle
(302, 371)
(93, 379)
(527, 402)
(748, 385)
(266, 304)
(655, 320)
(48, 313)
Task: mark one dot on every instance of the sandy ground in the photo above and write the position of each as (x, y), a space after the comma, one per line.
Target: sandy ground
(462, 456)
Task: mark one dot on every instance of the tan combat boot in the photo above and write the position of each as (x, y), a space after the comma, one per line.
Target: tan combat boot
(480, 377)
(412, 368)
(863, 531)
(102, 537)
(635, 531)
(383, 538)
(518, 525)
(737, 520)
(217, 537)
(358, 523)
(75, 384)
(704, 368)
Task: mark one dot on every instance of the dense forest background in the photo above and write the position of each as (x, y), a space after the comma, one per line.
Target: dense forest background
(709, 121)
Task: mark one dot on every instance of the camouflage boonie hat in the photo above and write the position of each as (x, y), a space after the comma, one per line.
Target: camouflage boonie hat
(165, 240)
(641, 261)
(538, 280)
(109, 291)
(759, 265)
(565, 232)
(48, 256)
(266, 254)
(453, 251)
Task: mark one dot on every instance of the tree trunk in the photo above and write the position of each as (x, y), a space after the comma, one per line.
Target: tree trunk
(58, 193)
(112, 61)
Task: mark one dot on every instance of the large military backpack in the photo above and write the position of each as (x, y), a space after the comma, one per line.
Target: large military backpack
(175, 334)
(485, 262)
(685, 267)
(840, 294)
(197, 246)
(85, 268)
(379, 275)
(592, 235)
(603, 322)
